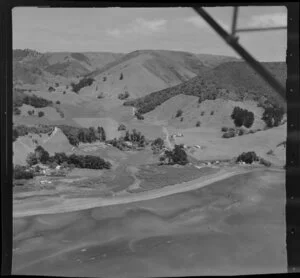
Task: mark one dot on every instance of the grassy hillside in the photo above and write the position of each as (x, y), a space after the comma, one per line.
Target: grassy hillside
(33, 67)
(144, 71)
(233, 80)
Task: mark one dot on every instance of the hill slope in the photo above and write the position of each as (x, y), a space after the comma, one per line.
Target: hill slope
(144, 71)
(32, 67)
(232, 81)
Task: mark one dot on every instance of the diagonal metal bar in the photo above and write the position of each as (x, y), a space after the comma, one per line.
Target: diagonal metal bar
(261, 29)
(232, 41)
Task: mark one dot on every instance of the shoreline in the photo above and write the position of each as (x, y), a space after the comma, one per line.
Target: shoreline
(71, 205)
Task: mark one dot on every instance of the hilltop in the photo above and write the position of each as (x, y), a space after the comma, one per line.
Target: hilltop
(31, 67)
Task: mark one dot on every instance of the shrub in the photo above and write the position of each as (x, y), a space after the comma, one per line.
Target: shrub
(202, 113)
(178, 113)
(139, 116)
(60, 158)
(181, 119)
(157, 145)
(57, 102)
(241, 132)
(30, 112)
(41, 114)
(51, 89)
(228, 134)
(56, 84)
(270, 152)
(198, 124)
(101, 133)
(265, 162)
(124, 95)
(41, 154)
(121, 127)
(31, 159)
(22, 172)
(17, 111)
(121, 76)
(212, 112)
(247, 157)
(272, 116)
(104, 78)
(64, 92)
(224, 129)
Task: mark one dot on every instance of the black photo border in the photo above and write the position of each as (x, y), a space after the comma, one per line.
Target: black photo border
(293, 114)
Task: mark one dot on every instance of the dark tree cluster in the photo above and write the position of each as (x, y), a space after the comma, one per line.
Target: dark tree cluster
(121, 127)
(74, 134)
(22, 130)
(51, 89)
(131, 140)
(178, 113)
(124, 95)
(16, 110)
(139, 116)
(157, 145)
(88, 161)
(36, 102)
(272, 116)
(41, 114)
(84, 135)
(247, 157)
(82, 83)
(22, 172)
(40, 155)
(135, 137)
(176, 156)
(242, 117)
(232, 132)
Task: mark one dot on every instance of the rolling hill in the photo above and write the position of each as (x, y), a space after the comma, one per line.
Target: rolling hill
(232, 81)
(144, 71)
(33, 67)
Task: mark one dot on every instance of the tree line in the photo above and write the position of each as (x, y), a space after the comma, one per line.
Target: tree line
(75, 135)
(40, 155)
(82, 83)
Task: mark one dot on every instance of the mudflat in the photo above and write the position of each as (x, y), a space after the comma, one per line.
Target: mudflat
(234, 225)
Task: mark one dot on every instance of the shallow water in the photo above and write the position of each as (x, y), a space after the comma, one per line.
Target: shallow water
(218, 229)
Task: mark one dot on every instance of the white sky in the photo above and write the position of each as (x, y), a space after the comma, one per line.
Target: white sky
(128, 29)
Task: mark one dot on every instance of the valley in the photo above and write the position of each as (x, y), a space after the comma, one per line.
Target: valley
(152, 162)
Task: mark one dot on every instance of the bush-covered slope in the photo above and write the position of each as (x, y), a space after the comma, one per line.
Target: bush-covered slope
(232, 80)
